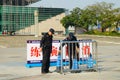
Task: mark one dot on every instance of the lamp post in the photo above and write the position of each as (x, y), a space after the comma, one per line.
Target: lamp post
(66, 29)
(36, 23)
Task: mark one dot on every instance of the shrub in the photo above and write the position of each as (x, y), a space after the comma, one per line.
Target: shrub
(96, 32)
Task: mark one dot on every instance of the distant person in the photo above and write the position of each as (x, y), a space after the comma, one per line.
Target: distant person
(46, 48)
(71, 47)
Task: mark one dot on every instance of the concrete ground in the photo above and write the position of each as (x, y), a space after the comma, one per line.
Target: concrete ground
(13, 60)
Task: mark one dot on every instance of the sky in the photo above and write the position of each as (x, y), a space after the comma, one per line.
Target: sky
(70, 4)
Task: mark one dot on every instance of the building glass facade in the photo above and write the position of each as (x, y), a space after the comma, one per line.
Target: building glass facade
(14, 18)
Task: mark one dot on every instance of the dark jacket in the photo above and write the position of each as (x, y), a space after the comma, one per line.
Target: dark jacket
(46, 42)
(71, 46)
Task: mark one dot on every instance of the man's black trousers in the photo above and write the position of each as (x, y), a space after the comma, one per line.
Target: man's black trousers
(46, 60)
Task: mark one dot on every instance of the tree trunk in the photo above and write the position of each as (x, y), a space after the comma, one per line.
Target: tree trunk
(103, 30)
(75, 32)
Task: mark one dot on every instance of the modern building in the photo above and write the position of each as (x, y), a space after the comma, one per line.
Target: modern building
(17, 2)
(28, 20)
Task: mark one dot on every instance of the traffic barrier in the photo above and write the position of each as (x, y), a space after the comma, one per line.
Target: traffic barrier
(83, 58)
(58, 63)
(75, 65)
(90, 61)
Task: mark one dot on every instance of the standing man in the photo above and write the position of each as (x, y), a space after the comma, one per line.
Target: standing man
(71, 47)
(46, 48)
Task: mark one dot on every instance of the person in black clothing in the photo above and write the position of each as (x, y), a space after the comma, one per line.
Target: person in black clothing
(46, 48)
(71, 47)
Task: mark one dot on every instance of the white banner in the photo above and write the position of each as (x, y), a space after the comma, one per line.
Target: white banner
(85, 49)
(35, 56)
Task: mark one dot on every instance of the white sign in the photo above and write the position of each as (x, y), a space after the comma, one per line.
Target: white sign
(33, 51)
(35, 56)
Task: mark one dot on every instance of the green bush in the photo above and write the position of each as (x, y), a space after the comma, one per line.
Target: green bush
(114, 32)
(90, 32)
(96, 32)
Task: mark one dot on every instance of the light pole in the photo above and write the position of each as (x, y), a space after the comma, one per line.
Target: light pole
(66, 29)
(36, 23)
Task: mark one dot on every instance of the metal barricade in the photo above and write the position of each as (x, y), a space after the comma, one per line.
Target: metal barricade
(77, 56)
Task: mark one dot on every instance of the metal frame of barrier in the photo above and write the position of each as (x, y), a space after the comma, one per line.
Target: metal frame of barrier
(84, 58)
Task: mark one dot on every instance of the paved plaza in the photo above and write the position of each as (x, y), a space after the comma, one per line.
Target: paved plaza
(13, 59)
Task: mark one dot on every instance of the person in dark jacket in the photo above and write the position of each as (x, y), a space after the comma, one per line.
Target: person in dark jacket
(46, 48)
(71, 47)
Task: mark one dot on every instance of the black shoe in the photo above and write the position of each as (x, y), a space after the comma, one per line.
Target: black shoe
(49, 72)
(44, 73)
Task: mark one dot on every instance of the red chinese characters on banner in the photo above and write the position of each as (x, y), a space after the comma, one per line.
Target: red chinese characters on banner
(35, 52)
(66, 50)
(54, 51)
(86, 50)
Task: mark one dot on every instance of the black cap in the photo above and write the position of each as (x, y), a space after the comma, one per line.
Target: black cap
(52, 30)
